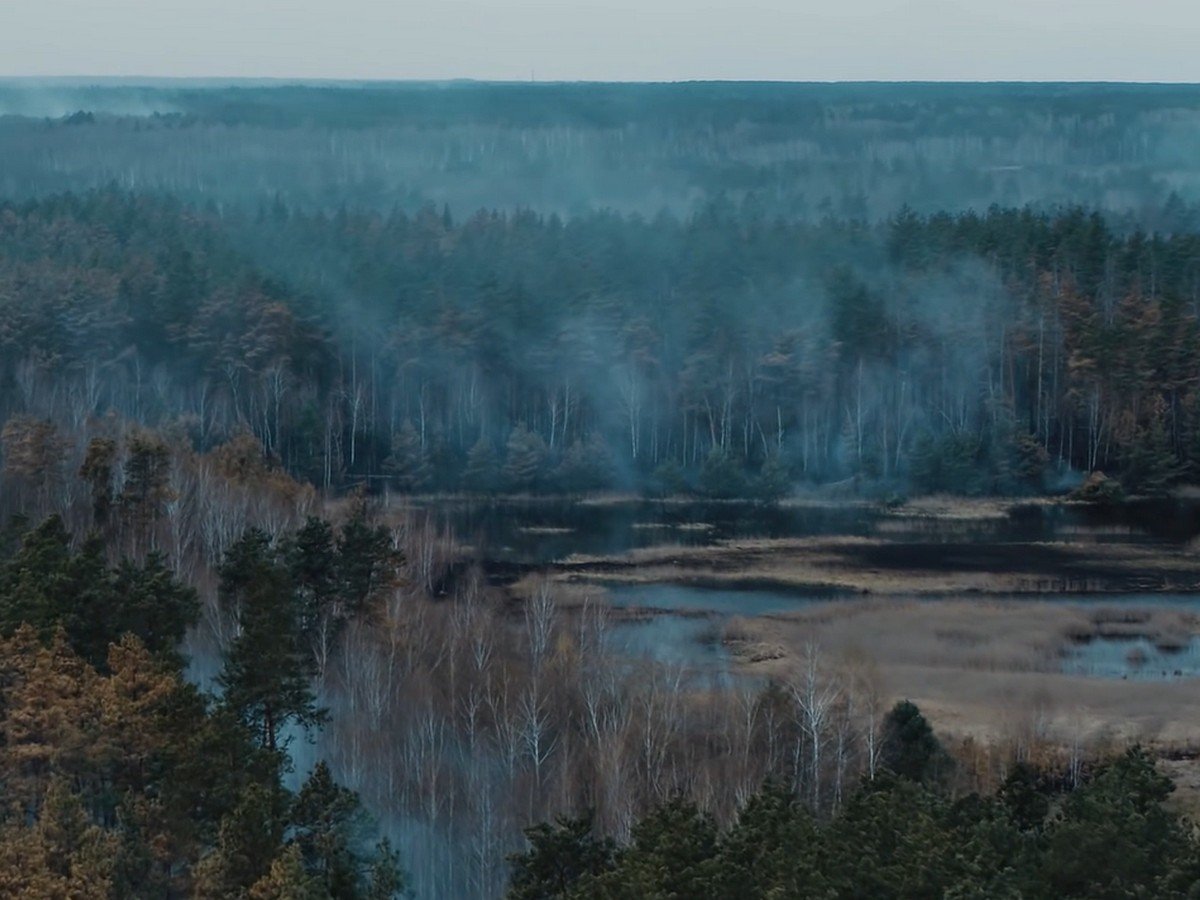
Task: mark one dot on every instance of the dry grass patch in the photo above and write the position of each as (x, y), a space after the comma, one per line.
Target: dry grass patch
(985, 669)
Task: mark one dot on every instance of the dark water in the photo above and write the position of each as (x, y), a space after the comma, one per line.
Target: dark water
(540, 531)
(682, 625)
(543, 531)
(717, 601)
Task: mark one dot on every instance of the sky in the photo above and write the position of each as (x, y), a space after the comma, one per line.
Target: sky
(606, 40)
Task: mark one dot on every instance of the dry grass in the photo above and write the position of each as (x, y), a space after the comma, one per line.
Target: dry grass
(985, 669)
(949, 507)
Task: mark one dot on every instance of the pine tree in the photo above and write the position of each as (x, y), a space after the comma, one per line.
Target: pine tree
(721, 477)
(366, 559)
(910, 748)
(288, 880)
(525, 459)
(769, 850)
(408, 463)
(481, 473)
(558, 858)
(774, 481)
(385, 878)
(586, 466)
(311, 557)
(97, 471)
(266, 676)
(147, 481)
(325, 819)
(248, 842)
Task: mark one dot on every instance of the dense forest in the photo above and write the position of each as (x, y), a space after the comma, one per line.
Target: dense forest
(237, 319)
(898, 836)
(728, 352)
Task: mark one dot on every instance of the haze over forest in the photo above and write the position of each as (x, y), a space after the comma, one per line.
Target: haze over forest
(354, 435)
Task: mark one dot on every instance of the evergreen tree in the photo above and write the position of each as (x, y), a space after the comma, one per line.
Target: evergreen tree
(672, 854)
(266, 677)
(248, 842)
(525, 460)
(774, 482)
(559, 857)
(97, 471)
(408, 462)
(482, 473)
(721, 477)
(385, 878)
(312, 559)
(770, 849)
(586, 466)
(325, 823)
(1151, 465)
(147, 481)
(910, 748)
(288, 880)
(366, 559)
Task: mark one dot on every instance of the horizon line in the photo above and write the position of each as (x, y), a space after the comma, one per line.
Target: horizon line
(283, 80)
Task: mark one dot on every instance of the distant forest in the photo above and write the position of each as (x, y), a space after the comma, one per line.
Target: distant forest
(725, 289)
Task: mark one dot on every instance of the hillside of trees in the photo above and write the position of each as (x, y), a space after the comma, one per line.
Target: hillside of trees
(728, 352)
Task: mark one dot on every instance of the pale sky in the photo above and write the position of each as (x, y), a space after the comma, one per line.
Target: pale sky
(625, 40)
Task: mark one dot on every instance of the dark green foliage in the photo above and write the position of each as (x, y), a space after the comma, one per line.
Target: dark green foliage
(366, 559)
(248, 839)
(481, 473)
(1024, 797)
(1113, 836)
(1151, 465)
(949, 462)
(770, 848)
(46, 585)
(171, 792)
(774, 481)
(408, 463)
(385, 878)
(721, 477)
(910, 748)
(97, 471)
(672, 853)
(895, 838)
(524, 460)
(857, 317)
(147, 480)
(326, 824)
(266, 680)
(586, 466)
(668, 480)
(311, 557)
(559, 856)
